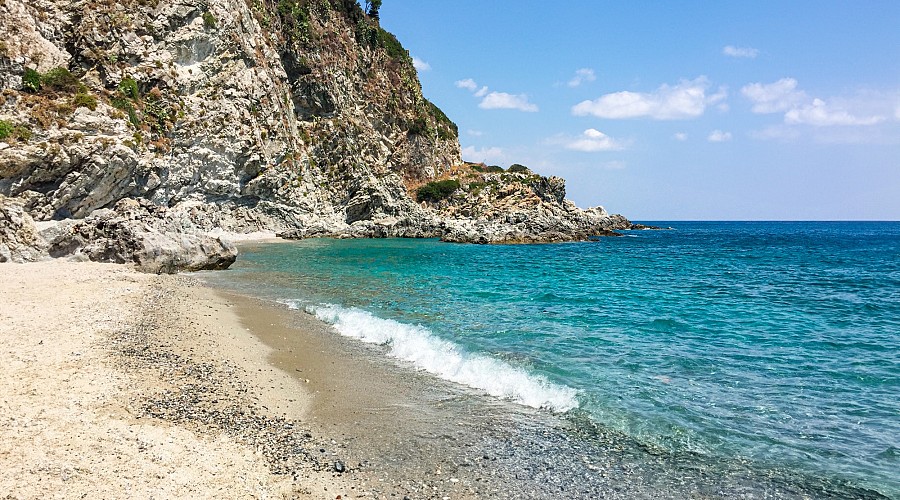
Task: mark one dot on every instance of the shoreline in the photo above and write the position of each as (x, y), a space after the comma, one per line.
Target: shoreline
(256, 392)
(401, 422)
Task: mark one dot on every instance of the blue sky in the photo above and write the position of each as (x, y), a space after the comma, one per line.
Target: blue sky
(760, 110)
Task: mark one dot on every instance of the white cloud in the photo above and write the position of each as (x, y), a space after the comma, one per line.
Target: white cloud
(502, 100)
(680, 136)
(719, 136)
(743, 52)
(468, 84)
(592, 141)
(493, 154)
(800, 109)
(475, 133)
(819, 114)
(897, 112)
(774, 97)
(583, 75)
(420, 65)
(687, 99)
(497, 100)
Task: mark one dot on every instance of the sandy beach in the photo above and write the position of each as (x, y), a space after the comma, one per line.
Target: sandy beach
(85, 359)
(118, 384)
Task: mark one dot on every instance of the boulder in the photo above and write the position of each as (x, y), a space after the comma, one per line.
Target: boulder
(136, 233)
(19, 238)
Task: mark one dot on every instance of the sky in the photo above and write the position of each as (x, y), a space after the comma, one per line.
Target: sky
(689, 110)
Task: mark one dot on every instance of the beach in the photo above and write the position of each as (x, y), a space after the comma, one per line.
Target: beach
(119, 384)
(79, 390)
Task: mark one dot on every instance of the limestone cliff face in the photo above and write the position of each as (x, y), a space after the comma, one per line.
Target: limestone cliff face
(298, 116)
(281, 113)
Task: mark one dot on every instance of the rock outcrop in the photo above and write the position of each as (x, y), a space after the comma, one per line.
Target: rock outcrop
(19, 239)
(303, 117)
(133, 232)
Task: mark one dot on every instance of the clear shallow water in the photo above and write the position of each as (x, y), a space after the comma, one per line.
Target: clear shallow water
(775, 342)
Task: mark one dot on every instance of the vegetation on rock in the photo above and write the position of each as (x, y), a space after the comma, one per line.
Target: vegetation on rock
(56, 80)
(437, 190)
(209, 20)
(10, 131)
(84, 100)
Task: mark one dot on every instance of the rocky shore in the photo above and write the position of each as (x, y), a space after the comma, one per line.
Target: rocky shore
(132, 131)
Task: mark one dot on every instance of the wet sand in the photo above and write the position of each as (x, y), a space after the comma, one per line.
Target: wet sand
(405, 433)
(124, 385)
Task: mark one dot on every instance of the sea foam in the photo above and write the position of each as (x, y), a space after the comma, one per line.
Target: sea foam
(421, 347)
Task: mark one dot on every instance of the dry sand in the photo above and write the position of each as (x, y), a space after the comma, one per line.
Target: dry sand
(74, 413)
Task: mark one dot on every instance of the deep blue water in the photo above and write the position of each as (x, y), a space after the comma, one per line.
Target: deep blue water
(777, 342)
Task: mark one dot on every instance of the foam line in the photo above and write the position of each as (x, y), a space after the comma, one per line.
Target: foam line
(426, 351)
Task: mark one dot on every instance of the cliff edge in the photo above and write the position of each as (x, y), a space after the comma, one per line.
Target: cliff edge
(302, 117)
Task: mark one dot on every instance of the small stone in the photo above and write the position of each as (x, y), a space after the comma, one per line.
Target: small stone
(339, 466)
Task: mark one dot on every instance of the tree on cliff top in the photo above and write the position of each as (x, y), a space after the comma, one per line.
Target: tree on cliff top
(372, 7)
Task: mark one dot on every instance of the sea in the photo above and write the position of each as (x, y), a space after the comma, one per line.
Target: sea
(770, 343)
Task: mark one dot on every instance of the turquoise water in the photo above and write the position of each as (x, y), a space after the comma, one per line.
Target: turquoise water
(773, 342)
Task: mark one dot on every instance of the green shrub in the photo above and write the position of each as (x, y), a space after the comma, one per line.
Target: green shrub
(31, 80)
(450, 130)
(209, 20)
(419, 126)
(129, 87)
(294, 16)
(437, 190)
(126, 106)
(10, 131)
(516, 168)
(22, 132)
(488, 169)
(392, 46)
(6, 129)
(61, 80)
(84, 100)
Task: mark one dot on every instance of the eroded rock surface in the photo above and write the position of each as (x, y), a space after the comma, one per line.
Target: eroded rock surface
(296, 116)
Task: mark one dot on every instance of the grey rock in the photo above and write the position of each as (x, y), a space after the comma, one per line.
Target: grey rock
(237, 128)
(139, 233)
(19, 238)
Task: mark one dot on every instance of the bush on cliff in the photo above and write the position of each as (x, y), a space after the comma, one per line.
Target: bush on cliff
(56, 80)
(437, 190)
(6, 129)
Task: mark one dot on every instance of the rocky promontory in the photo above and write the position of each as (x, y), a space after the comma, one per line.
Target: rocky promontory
(129, 130)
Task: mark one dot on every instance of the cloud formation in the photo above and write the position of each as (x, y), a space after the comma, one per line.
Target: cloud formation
(719, 136)
(582, 76)
(502, 100)
(774, 97)
(687, 99)
(420, 65)
(592, 141)
(680, 136)
(740, 52)
(497, 100)
(799, 108)
(468, 84)
(819, 114)
(492, 154)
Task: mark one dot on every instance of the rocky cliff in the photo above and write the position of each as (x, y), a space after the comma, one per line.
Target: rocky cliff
(303, 117)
